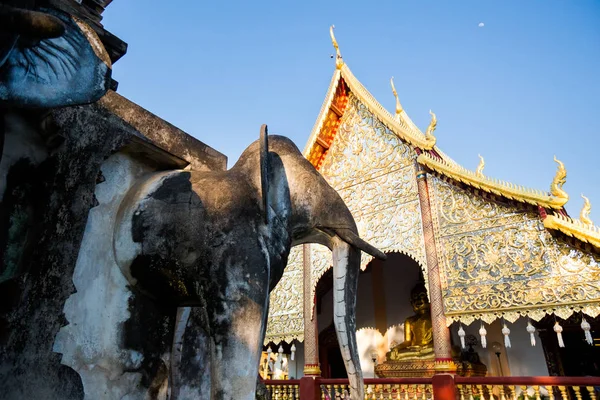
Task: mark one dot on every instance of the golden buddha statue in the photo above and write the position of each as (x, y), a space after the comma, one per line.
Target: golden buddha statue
(418, 333)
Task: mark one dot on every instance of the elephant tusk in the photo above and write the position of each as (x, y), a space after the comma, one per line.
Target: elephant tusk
(352, 238)
(30, 23)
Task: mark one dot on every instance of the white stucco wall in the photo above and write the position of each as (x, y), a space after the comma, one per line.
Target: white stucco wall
(521, 359)
(91, 342)
(296, 367)
(524, 359)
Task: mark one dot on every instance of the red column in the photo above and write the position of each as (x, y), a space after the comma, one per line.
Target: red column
(441, 334)
(444, 387)
(309, 388)
(311, 330)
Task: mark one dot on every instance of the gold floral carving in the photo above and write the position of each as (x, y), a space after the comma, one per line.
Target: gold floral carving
(498, 260)
(286, 321)
(373, 170)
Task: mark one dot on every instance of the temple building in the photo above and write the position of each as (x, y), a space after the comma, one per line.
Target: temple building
(512, 281)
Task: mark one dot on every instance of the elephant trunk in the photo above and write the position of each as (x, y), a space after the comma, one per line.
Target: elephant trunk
(346, 267)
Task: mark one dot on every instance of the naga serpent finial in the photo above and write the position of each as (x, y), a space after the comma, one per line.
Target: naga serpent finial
(480, 167)
(338, 56)
(431, 127)
(584, 215)
(398, 105)
(559, 180)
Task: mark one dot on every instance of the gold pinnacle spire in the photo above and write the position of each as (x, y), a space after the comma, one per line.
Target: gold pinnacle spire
(398, 105)
(339, 62)
(480, 167)
(584, 216)
(431, 127)
(559, 180)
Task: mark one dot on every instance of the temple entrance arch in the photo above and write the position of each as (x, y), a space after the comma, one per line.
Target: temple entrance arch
(382, 306)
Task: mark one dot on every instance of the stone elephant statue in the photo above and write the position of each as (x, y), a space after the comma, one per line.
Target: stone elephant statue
(49, 58)
(219, 241)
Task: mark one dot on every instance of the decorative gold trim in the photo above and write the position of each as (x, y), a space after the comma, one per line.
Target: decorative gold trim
(401, 127)
(480, 167)
(310, 369)
(339, 61)
(431, 128)
(335, 80)
(583, 231)
(584, 215)
(559, 180)
(287, 337)
(564, 311)
(445, 366)
(401, 115)
(399, 108)
(495, 186)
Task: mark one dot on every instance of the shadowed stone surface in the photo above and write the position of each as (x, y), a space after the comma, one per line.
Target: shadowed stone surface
(48, 188)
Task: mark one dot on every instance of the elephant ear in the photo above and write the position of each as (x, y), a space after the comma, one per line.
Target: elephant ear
(274, 185)
(264, 170)
(54, 68)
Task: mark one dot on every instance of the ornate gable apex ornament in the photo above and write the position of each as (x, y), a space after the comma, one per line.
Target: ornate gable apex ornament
(402, 127)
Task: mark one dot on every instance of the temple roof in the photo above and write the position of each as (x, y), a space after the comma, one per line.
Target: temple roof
(431, 157)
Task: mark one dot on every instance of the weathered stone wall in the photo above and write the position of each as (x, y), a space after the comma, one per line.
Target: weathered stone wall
(95, 342)
(56, 271)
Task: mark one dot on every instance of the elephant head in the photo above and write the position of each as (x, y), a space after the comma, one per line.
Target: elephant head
(220, 241)
(49, 58)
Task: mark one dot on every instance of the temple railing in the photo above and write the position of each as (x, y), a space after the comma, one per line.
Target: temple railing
(283, 390)
(528, 388)
(375, 389)
(442, 387)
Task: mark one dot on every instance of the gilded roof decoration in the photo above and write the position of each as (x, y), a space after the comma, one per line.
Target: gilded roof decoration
(339, 61)
(559, 180)
(578, 229)
(399, 108)
(431, 128)
(401, 114)
(328, 123)
(491, 185)
(480, 167)
(402, 127)
(498, 261)
(584, 215)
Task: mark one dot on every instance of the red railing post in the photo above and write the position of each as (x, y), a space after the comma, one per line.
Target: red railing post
(310, 388)
(444, 387)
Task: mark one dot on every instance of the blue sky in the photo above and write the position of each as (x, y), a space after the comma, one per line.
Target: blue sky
(517, 91)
